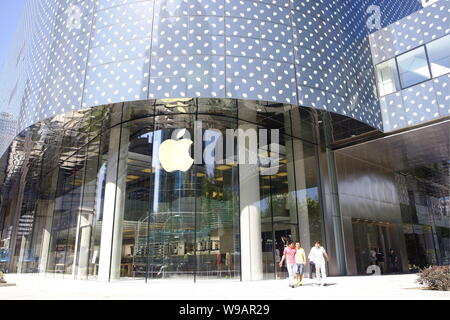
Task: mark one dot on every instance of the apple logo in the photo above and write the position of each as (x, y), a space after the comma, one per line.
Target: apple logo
(174, 154)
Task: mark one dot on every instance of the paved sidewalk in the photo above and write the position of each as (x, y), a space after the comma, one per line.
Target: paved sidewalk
(32, 287)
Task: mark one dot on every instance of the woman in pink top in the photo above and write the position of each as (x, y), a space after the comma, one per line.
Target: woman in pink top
(289, 256)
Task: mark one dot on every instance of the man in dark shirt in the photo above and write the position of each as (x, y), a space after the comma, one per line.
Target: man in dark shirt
(393, 261)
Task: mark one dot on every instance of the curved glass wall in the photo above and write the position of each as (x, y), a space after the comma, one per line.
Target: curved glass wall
(108, 205)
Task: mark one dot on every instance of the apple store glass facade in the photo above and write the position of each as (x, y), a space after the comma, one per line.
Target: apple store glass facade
(97, 202)
(85, 191)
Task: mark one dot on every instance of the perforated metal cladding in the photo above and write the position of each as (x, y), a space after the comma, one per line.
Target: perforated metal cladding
(79, 54)
(424, 101)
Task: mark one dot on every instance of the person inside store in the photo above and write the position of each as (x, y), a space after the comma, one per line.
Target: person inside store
(393, 261)
(380, 259)
(373, 256)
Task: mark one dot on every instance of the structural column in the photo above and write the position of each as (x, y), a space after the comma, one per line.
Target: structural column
(249, 195)
(297, 176)
(83, 243)
(45, 211)
(87, 211)
(114, 205)
(330, 195)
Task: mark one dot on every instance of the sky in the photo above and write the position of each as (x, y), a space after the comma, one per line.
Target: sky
(10, 13)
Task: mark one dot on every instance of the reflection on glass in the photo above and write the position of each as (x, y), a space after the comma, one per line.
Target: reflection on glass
(290, 198)
(91, 214)
(217, 207)
(387, 77)
(217, 222)
(372, 240)
(413, 67)
(439, 55)
(65, 218)
(179, 224)
(425, 214)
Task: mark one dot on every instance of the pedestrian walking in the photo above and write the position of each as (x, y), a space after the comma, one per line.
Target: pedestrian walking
(319, 256)
(289, 256)
(300, 260)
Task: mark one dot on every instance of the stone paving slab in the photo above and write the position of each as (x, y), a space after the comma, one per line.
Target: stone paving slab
(395, 287)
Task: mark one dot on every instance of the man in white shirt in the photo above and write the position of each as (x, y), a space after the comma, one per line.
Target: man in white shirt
(318, 256)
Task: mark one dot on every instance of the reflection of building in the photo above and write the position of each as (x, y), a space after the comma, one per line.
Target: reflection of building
(8, 131)
(362, 163)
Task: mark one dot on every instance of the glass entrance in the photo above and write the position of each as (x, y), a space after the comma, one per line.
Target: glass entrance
(115, 209)
(177, 224)
(372, 246)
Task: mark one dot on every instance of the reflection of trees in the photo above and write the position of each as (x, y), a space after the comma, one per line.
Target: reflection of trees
(314, 219)
(217, 205)
(279, 204)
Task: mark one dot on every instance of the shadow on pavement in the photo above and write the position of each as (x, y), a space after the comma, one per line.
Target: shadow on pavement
(316, 285)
